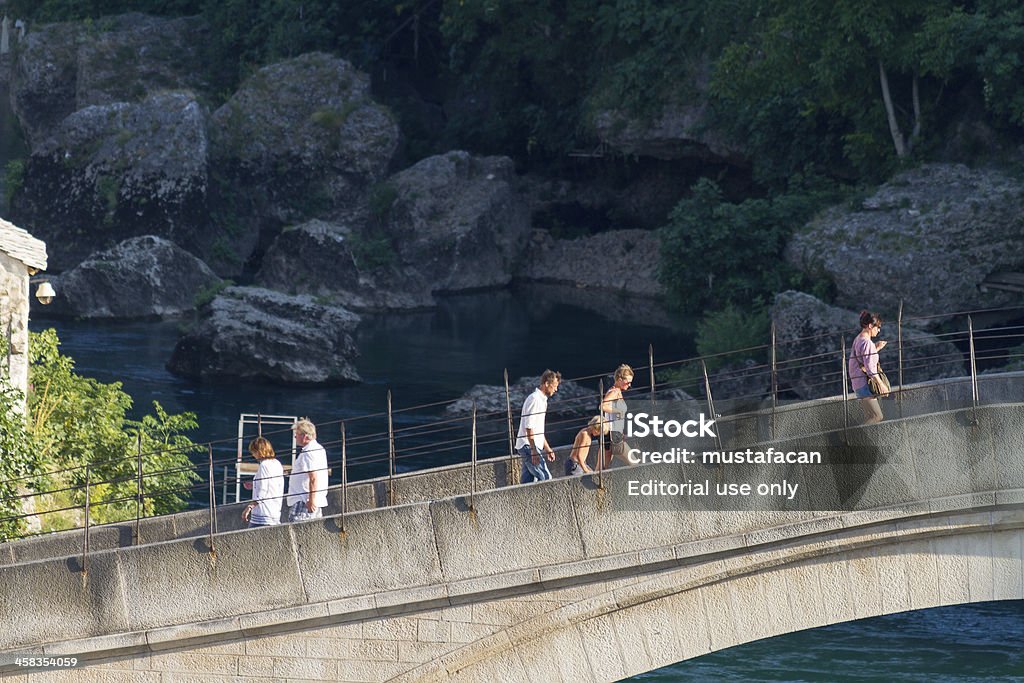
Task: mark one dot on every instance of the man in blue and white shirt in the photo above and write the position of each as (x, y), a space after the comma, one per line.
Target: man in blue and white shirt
(532, 442)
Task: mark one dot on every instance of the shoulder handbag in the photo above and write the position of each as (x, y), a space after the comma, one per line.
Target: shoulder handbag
(877, 383)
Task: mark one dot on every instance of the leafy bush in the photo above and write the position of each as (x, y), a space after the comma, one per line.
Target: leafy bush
(19, 462)
(14, 178)
(715, 253)
(382, 198)
(76, 421)
(371, 252)
(210, 292)
(732, 329)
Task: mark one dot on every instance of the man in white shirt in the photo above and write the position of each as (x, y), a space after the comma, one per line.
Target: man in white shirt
(307, 485)
(531, 441)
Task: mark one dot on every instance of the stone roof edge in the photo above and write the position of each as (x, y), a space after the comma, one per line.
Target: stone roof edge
(19, 244)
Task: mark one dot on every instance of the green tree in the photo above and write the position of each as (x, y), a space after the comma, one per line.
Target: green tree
(524, 67)
(998, 32)
(71, 10)
(19, 463)
(77, 421)
(249, 34)
(875, 69)
(716, 253)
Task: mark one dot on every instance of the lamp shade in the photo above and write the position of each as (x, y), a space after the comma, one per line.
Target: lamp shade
(45, 293)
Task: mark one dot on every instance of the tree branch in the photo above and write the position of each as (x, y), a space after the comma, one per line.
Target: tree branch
(917, 114)
(894, 126)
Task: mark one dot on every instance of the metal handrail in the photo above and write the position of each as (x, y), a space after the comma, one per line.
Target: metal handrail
(403, 435)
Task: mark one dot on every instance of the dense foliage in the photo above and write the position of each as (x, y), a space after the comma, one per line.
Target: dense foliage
(18, 463)
(852, 88)
(718, 253)
(73, 422)
(851, 85)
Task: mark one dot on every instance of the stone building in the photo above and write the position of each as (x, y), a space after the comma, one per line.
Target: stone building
(21, 256)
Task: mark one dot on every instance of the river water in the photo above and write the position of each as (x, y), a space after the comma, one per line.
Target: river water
(428, 356)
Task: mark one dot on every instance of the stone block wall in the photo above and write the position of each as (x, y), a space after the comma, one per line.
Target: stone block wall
(14, 291)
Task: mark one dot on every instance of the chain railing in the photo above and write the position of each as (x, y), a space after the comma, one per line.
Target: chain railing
(728, 385)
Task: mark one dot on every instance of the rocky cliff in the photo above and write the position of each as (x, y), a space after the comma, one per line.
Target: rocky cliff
(928, 237)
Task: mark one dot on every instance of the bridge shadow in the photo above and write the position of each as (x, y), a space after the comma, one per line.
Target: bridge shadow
(855, 464)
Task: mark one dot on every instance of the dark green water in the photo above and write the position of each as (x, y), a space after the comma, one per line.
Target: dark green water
(425, 357)
(958, 644)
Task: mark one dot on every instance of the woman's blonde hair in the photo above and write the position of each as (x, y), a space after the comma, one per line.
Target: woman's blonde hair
(602, 424)
(261, 449)
(624, 371)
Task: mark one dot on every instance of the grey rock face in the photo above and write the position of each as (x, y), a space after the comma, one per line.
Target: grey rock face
(313, 113)
(929, 236)
(449, 223)
(457, 221)
(332, 261)
(114, 171)
(623, 261)
(300, 138)
(808, 335)
(140, 277)
(254, 333)
(64, 67)
(571, 399)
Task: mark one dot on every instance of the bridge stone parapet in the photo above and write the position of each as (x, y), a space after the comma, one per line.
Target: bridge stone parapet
(526, 581)
(791, 421)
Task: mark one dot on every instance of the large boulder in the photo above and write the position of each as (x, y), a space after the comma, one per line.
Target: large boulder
(449, 223)
(808, 333)
(571, 400)
(253, 333)
(456, 219)
(114, 171)
(619, 261)
(61, 68)
(299, 139)
(929, 237)
(141, 277)
(333, 261)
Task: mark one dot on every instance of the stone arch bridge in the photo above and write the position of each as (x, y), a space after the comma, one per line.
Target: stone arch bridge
(559, 581)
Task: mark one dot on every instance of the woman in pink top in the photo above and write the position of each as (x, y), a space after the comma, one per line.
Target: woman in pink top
(864, 356)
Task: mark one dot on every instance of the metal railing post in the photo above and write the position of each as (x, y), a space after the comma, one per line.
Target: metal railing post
(711, 402)
(344, 478)
(85, 542)
(213, 498)
(138, 489)
(511, 438)
(846, 394)
(775, 381)
(600, 437)
(472, 467)
(391, 454)
(974, 369)
(899, 348)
